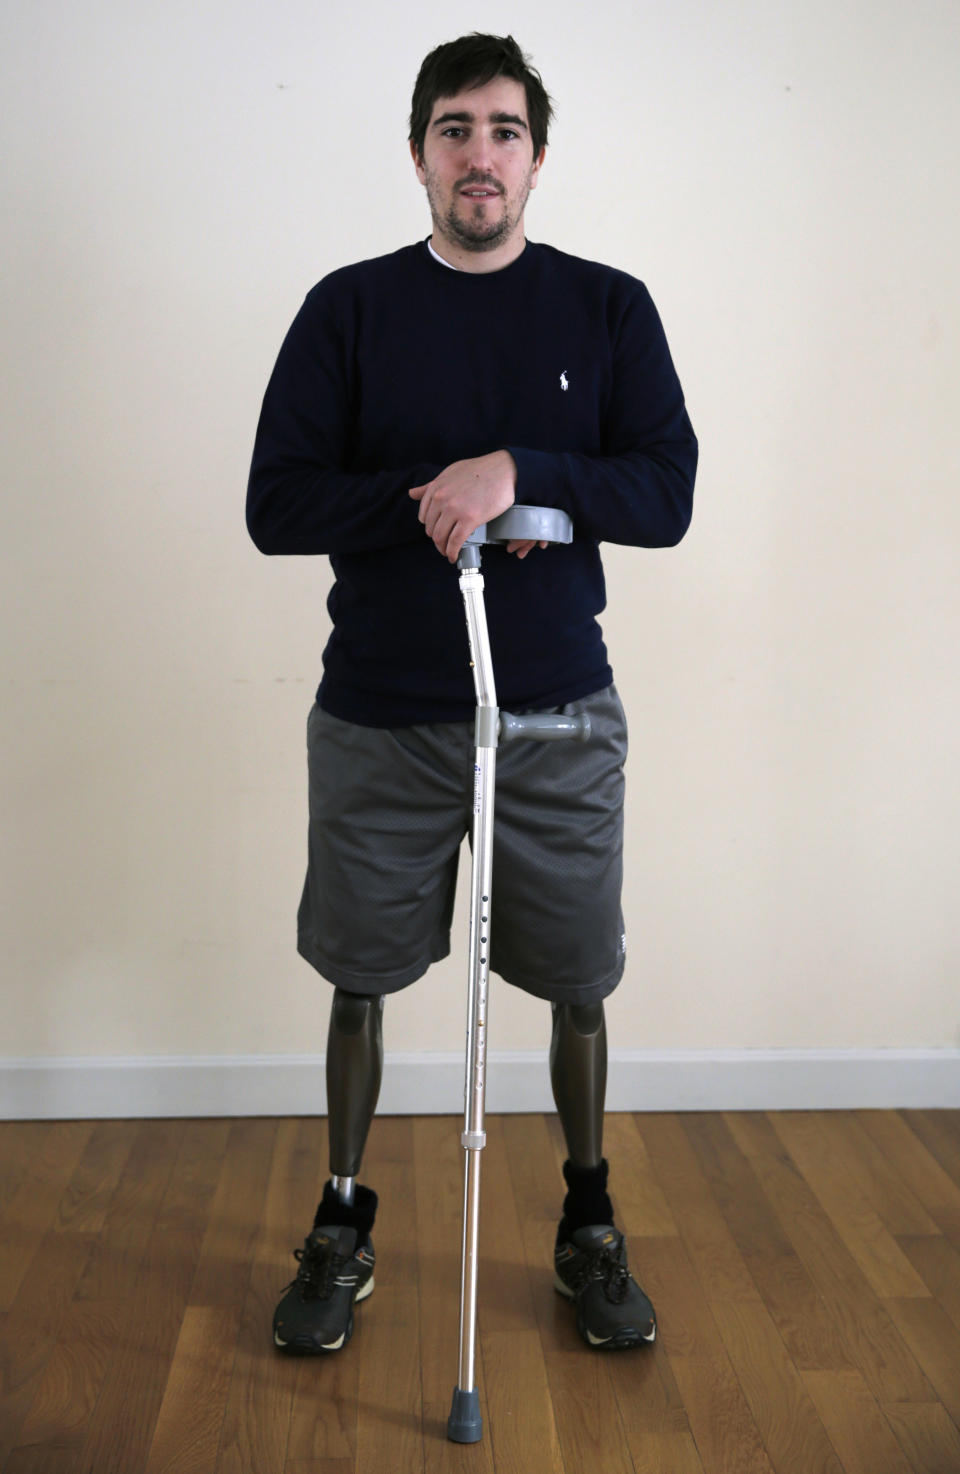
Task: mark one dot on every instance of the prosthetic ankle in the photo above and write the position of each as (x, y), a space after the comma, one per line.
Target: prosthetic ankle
(587, 1201)
(333, 1212)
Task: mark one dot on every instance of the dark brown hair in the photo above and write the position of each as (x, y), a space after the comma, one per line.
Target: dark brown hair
(473, 61)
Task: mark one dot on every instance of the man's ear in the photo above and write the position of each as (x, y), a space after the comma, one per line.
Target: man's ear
(418, 162)
(537, 166)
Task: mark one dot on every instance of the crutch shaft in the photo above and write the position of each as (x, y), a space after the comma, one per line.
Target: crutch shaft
(465, 1423)
(466, 1377)
(479, 945)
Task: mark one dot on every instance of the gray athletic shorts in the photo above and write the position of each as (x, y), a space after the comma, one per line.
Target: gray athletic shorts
(389, 808)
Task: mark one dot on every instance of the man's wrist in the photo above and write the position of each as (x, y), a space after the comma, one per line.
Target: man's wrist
(512, 469)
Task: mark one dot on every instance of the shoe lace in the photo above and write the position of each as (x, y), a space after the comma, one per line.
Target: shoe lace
(608, 1267)
(319, 1267)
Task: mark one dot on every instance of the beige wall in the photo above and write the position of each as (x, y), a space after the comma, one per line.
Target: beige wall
(783, 177)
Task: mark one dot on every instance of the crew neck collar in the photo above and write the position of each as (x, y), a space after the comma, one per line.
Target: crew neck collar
(461, 275)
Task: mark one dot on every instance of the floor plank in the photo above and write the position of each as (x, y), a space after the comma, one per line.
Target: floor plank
(916, 1166)
(586, 1411)
(719, 1418)
(940, 1133)
(69, 1387)
(33, 1206)
(319, 1466)
(793, 1435)
(877, 1178)
(186, 1438)
(232, 1232)
(43, 1300)
(867, 1332)
(389, 1393)
(937, 1262)
(256, 1424)
(811, 1141)
(787, 1290)
(927, 1434)
(859, 1432)
(713, 1251)
(521, 1426)
(639, 1201)
(667, 1453)
(521, 1409)
(137, 1373)
(112, 1268)
(935, 1342)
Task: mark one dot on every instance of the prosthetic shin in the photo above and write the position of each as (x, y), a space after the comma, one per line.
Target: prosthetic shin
(578, 1074)
(354, 1071)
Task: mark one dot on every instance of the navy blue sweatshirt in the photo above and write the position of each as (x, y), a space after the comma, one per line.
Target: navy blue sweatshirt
(396, 367)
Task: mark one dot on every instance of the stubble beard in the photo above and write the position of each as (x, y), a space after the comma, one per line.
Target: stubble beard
(474, 232)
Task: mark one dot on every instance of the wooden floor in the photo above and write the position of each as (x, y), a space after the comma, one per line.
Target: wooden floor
(805, 1268)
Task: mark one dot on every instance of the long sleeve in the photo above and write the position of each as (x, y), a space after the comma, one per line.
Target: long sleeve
(640, 491)
(305, 493)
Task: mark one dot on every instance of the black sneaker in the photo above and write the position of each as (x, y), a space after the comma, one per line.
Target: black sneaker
(315, 1314)
(612, 1310)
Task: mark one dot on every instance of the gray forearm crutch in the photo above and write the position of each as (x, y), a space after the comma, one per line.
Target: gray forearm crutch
(540, 524)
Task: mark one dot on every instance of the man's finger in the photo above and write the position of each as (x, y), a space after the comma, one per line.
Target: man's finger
(429, 511)
(455, 541)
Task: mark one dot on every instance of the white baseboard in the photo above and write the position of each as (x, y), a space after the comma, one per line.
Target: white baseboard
(517, 1081)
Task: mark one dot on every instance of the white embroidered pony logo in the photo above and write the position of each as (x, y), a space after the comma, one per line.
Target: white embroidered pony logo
(564, 381)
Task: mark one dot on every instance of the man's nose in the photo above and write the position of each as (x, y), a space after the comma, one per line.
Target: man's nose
(480, 154)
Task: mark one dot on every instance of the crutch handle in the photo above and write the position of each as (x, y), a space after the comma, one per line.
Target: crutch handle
(543, 727)
(525, 524)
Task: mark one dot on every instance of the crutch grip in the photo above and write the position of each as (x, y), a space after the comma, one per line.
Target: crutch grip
(521, 523)
(544, 727)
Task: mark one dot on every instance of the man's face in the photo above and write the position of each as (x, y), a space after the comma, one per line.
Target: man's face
(478, 165)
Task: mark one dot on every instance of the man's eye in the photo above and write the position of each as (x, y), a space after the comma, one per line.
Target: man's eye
(507, 134)
(453, 132)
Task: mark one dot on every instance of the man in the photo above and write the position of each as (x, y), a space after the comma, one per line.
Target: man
(415, 397)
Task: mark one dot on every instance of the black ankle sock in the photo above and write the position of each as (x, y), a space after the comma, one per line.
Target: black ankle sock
(359, 1214)
(587, 1201)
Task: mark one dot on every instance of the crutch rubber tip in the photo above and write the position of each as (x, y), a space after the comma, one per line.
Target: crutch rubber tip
(465, 1424)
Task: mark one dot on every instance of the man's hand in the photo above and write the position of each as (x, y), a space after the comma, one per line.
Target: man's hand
(464, 496)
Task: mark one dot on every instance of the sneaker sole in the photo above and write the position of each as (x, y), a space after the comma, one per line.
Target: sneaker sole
(626, 1337)
(303, 1346)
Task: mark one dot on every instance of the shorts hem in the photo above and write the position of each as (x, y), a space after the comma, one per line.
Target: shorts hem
(577, 993)
(359, 982)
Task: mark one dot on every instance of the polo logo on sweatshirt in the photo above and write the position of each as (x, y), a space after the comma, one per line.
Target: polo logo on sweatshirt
(564, 381)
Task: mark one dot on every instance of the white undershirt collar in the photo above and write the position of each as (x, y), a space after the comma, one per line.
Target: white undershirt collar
(440, 258)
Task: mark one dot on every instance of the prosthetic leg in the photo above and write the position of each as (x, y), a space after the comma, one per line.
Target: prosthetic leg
(354, 1072)
(540, 524)
(578, 1075)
